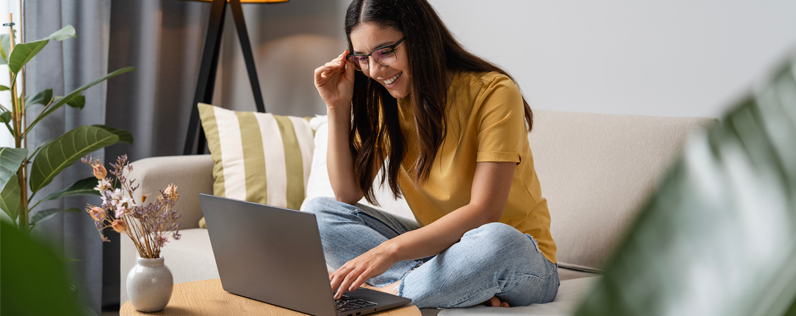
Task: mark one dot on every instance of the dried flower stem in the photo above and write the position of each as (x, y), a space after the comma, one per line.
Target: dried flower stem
(146, 225)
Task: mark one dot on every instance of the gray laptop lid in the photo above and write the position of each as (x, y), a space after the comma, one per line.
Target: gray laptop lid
(244, 252)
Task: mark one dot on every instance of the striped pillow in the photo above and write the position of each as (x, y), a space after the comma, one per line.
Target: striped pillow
(258, 157)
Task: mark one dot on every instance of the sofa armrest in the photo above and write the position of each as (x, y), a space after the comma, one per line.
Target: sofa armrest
(191, 174)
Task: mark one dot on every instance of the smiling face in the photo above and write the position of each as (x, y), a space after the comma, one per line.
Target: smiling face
(367, 37)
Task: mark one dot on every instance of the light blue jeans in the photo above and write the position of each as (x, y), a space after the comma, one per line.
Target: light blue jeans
(492, 260)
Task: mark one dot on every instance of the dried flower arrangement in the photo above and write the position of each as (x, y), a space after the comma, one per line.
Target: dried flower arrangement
(147, 225)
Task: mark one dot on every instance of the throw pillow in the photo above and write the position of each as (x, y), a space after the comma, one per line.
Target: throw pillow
(318, 184)
(258, 157)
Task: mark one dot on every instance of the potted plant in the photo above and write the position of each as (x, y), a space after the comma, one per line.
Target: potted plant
(149, 282)
(24, 173)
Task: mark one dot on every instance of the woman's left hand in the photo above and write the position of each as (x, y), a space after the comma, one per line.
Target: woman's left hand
(355, 272)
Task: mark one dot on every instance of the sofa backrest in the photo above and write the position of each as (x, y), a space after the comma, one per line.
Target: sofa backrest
(596, 170)
(193, 174)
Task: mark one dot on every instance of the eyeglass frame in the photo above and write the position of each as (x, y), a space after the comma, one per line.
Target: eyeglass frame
(391, 47)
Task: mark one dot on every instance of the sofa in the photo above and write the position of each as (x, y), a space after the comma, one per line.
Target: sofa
(595, 171)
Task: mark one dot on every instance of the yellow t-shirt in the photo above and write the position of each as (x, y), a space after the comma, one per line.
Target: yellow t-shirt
(486, 123)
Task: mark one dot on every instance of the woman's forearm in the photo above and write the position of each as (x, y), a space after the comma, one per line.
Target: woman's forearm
(439, 235)
(490, 191)
(339, 162)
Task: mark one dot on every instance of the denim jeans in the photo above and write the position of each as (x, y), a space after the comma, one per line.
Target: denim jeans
(492, 260)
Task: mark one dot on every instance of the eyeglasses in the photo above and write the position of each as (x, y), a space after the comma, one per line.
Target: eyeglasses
(385, 56)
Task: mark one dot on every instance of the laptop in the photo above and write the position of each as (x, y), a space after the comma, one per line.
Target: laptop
(274, 255)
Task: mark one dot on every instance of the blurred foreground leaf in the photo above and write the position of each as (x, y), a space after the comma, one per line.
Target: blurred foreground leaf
(34, 278)
(719, 235)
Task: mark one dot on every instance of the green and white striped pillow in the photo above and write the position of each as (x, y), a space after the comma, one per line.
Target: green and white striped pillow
(258, 157)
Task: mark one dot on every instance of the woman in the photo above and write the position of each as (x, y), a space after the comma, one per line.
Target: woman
(451, 132)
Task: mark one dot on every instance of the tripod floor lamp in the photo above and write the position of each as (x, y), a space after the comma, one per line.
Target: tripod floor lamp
(207, 69)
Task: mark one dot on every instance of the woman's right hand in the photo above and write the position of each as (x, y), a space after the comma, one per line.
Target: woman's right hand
(335, 82)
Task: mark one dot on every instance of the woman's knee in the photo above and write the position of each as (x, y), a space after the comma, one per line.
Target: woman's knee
(318, 204)
(496, 235)
(324, 206)
(498, 246)
(328, 211)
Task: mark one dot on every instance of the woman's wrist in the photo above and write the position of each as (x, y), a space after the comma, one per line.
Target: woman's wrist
(338, 112)
(338, 106)
(392, 249)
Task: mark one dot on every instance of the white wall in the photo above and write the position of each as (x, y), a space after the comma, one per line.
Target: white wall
(668, 58)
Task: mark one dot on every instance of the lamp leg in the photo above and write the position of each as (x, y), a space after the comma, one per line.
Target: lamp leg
(246, 48)
(207, 75)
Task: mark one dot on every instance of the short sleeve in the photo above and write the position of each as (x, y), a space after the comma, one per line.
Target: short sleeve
(501, 117)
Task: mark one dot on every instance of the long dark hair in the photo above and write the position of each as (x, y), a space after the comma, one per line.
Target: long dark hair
(432, 52)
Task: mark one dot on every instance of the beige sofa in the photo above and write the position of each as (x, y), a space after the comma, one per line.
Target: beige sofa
(595, 171)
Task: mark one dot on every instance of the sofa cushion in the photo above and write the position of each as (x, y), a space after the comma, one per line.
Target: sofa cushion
(569, 274)
(258, 157)
(318, 184)
(570, 294)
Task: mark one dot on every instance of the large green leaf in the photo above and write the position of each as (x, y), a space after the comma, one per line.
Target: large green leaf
(38, 148)
(23, 53)
(82, 187)
(10, 199)
(719, 235)
(5, 48)
(64, 151)
(64, 33)
(5, 117)
(124, 136)
(49, 213)
(4, 88)
(74, 94)
(43, 97)
(10, 160)
(78, 102)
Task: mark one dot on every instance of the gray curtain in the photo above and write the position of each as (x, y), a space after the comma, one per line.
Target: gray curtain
(65, 66)
(162, 40)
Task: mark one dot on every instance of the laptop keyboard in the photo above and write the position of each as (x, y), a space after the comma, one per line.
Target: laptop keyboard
(346, 303)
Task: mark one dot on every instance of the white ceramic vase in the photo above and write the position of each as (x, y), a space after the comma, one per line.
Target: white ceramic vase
(149, 285)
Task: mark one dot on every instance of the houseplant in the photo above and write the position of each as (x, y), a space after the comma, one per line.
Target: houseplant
(24, 173)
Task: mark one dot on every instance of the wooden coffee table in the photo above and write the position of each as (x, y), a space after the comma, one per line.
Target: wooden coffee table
(207, 297)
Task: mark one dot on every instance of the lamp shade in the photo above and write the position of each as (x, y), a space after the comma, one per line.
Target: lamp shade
(246, 1)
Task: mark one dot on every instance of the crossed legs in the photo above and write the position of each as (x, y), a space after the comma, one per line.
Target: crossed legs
(494, 260)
